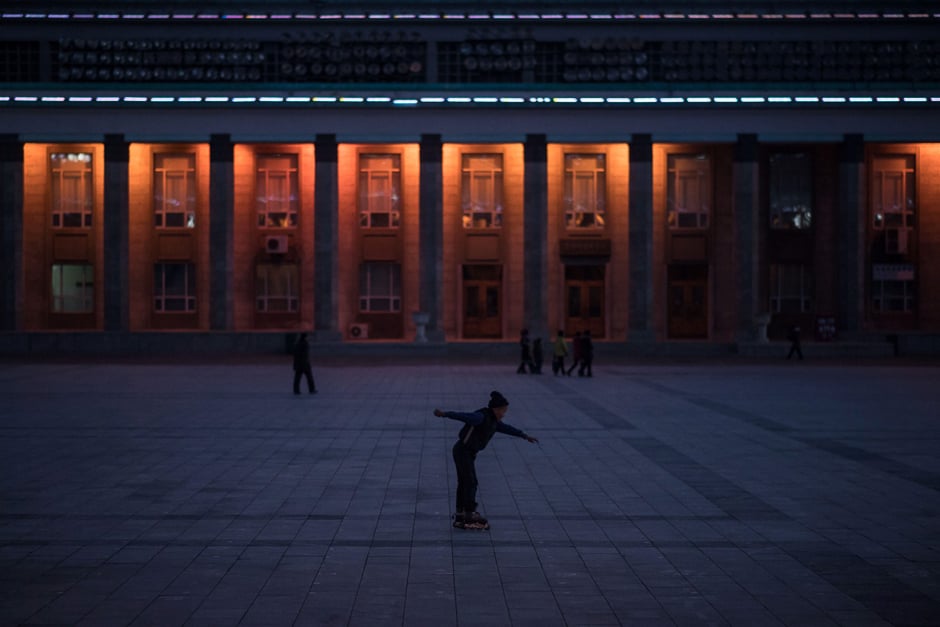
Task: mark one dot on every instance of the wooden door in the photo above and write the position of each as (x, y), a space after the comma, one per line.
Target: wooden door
(482, 301)
(584, 300)
(688, 302)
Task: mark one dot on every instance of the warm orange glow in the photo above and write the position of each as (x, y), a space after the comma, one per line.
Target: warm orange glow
(45, 245)
(249, 237)
(509, 238)
(149, 244)
(358, 244)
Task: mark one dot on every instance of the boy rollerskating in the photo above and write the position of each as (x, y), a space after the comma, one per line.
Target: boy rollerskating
(479, 427)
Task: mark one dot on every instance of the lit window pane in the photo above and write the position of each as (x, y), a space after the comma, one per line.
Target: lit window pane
(72, 288)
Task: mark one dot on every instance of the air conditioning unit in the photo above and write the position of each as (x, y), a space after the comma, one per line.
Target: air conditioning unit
(275, 244)
(897, 241)
(359, 330)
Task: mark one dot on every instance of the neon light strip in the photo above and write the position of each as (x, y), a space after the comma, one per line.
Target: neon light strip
(885, 15)
(476, 100)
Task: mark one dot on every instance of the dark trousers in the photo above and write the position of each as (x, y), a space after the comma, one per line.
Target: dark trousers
(795, 348)
(526, 362)
(464, 460)
(558, 364)
(585, 368)
(574, 364)
(304, 372)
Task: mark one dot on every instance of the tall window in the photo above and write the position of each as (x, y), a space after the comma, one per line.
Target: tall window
(174, 190)
(893, 201)
(276, 190)
(482, 191)
(276, 287)
(379, 191)
(791, 191)
(72, 189)
(585, 191)
(689, 191)
(791, 289)
(73, 288)
(380, 287)
(174, 287)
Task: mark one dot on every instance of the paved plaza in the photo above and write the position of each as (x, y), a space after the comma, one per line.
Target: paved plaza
(727, 492)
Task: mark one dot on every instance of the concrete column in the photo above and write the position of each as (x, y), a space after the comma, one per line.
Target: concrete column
(851, 244)
(326, 240)
(535, 235)
(116, 224)
(746, 203)
(641, 239)
(431, 229)
(221, 232)
(11, 231)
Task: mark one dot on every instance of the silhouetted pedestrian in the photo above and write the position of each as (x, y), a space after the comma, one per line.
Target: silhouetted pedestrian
(794, 336)
(559, 352)
(537, 358)
(302, 365)
(575, 353)
(480, 426)
(587, 355)
(525, 350)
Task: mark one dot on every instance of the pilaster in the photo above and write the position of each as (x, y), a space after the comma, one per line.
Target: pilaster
(221, 232)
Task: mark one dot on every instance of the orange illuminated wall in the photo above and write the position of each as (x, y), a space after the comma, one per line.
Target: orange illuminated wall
(149, 244)
(923, 251)
(928, 244)
(484, 246)
(46, 245)
(712, 247)
(378, 244)
(256, 243)
(615, 230)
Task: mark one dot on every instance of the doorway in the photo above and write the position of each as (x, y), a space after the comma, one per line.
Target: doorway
(688, 301)
(482, 301)
(584, 299)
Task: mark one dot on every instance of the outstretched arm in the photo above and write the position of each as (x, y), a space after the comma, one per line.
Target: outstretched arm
(502, 427)
(472, 418)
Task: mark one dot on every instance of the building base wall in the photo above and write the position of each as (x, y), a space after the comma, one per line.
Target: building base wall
(226, 344)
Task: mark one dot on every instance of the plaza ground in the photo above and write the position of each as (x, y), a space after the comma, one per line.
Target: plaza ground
(705, 492)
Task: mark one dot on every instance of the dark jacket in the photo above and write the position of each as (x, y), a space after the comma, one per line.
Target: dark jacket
(301, 354)
(480, 427)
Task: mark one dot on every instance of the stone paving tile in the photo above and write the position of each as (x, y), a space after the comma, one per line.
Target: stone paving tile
(660, 494)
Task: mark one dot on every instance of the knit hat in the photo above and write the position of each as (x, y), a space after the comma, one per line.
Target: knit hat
(497, 400)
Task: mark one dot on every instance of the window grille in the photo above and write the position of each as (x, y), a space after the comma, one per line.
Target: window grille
(73, 288)
(585, 191)
(72, 190)
(893, 185)
(893, 288)
(482, 191)
(791, 289)
(379, 287)
(380, 191)
(689, 191)
(174, 190)
(276, 288)
(277, 190)
(174, 287)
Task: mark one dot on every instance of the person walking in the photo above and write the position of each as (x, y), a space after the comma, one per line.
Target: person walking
(794, 336)
(587, 355)
(525, 349)
(559, 352)
(537, 357)
(302, 365)
(575, 353)
(479, 428)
